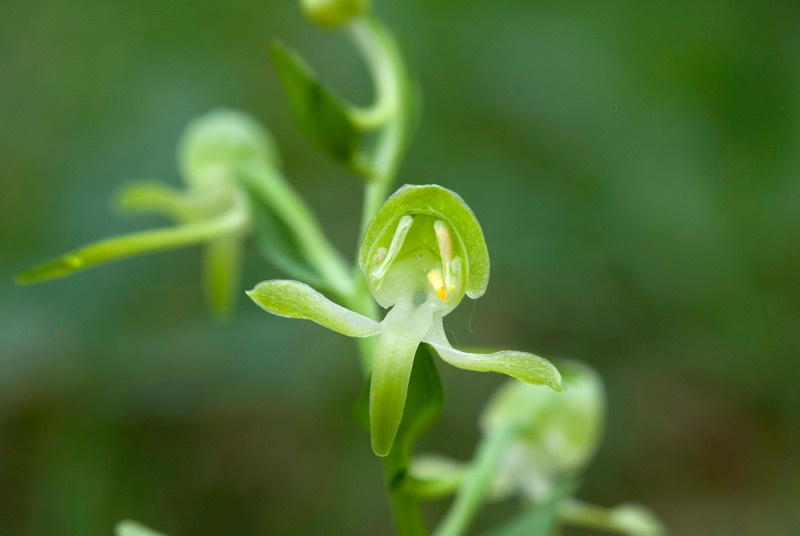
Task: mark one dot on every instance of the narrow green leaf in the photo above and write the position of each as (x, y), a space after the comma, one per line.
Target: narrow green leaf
(132, 528)
(135, 244)
(320, 115)
(292, 299)
(527, 367)
(222, 266)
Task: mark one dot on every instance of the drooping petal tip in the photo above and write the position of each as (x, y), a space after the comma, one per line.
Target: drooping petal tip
(524, 366)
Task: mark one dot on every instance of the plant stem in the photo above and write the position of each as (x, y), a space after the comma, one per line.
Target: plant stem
(390, 111)
(476, 485)
(406, 510)
(231, 222)
(273, 190)
(385, 62)
(377, 54)
(407, 515)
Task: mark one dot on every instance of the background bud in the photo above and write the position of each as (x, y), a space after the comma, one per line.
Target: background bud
(333, 13)
(558, 432)
(215, 144)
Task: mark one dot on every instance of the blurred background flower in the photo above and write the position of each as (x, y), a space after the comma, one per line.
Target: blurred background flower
(636, 170)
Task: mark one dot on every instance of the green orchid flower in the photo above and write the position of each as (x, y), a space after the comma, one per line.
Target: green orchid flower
(421, 254)
(554, 436)
(212, 210)
(533, 439)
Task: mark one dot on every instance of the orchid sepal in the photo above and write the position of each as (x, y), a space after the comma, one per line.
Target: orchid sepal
(524, 366)
(293, 299)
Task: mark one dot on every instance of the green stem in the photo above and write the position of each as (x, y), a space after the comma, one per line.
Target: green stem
(477, 483)
(385, 62)
(407, 514)
(406, 510)
(231, 222)
(375, 194)
(273, 190)
(377, 54)
(405, 507)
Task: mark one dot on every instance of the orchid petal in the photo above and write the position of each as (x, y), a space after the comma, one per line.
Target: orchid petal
(292, 299)
(527, 367)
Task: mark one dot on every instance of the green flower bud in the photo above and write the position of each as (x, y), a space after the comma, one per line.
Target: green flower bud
(425, 245)
(216, 144)
(334, 13)
(131, 528)
(216, 152)
(558, 433)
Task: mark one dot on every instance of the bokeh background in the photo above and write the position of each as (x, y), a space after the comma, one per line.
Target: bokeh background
(635, 167)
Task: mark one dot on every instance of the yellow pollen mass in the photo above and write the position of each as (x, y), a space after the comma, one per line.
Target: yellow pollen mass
(437, 282)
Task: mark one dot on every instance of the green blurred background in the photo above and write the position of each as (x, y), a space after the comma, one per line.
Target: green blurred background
(635, 168)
